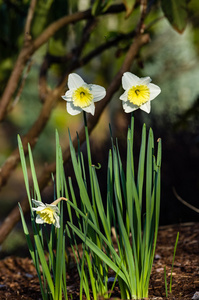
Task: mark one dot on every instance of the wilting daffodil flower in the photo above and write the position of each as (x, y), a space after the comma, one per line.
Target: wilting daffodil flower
(46, 213)
(81, 96)
(138, 92)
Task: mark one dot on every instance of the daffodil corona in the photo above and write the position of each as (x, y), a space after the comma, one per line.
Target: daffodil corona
(138, 92)
(47, 214)
(81, 96)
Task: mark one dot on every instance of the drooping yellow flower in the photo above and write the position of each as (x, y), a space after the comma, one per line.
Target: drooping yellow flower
(138, 92)
(46, 213)
(81, 96)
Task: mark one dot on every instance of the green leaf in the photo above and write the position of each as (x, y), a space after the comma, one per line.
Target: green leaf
(83, 192)
(33, 172)
(129, 6)
(44, 265)
(96, 8)
(114, 254)
(141, 165)
(176, 12)
(99, 253)
(100, 6)
(26, 232)
(24, 168)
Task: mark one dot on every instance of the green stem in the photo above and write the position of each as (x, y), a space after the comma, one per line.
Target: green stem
(89, 159)
(165, 281)
(174, 253)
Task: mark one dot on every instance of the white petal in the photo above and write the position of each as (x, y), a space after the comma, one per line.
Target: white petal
(128, 107)
(38, 203)
(124, 96)
(146, 107)
(90, 109)
(39, 208)
(144, 80)
(98, 92)
(154, 90)
(56, 224)
(72, 109)
(53, 207)
(75, 81)
(68, 95)
(129, 80)
(39, 220)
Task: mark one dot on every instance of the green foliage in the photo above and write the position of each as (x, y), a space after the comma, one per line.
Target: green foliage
(129, 5)
(176, 11)
(100, 6)
(51, 287)
(165, 275)
(46, 13)
(133, 262)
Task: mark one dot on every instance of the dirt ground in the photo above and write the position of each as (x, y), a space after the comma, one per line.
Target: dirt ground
(18, 279)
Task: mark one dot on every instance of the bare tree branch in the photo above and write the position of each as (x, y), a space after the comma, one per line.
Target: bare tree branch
(30, 47)
(143, 8)
(20, 64)
(14, 216)
(185, 202)
(31, 10)
(44, 90)
(16, 100)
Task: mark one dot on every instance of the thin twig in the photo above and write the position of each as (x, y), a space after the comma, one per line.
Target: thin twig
(16, 100)
(74, 18)
(27, 36)
(184, 202)
(111, 43)
(143, 9)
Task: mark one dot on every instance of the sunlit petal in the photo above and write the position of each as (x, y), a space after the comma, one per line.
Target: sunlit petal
(75, 81)
(98, 92)
(128, 80)
(154, 90)
(145, 80)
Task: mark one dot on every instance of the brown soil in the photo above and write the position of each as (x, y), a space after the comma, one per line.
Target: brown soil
(18, 279)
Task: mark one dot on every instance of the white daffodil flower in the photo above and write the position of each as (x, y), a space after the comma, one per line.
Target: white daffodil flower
(46, 213)
(138, 92)
(81, 96)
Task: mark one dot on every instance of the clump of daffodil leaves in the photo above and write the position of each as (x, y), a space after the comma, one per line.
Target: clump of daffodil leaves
(132, 262)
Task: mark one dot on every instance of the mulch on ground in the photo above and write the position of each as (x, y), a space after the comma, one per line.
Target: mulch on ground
(18, 278)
